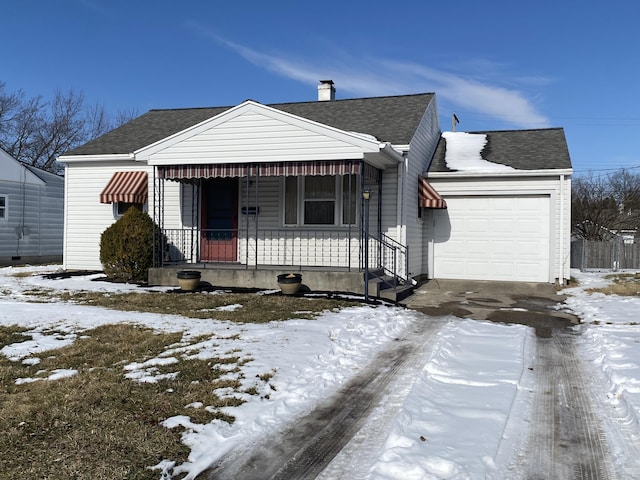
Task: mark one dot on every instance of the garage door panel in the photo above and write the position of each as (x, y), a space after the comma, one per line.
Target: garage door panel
(503, 270)
(529, 249)
(493, 238)
(530, 225)
(478, 247)
(475, 269)
(504, 226)
(455, 267)
(477, 226)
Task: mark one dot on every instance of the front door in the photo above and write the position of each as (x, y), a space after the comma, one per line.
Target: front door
(219, 232)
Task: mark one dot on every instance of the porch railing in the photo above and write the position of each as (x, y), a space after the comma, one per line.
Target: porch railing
(279, 246)
(339, 248)
(388, 255)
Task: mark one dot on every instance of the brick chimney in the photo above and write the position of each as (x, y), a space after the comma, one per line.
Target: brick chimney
(326, 91)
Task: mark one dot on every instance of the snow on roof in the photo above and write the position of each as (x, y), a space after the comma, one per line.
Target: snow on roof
(464, 153)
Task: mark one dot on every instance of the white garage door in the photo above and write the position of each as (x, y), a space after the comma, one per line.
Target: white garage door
(493, 238)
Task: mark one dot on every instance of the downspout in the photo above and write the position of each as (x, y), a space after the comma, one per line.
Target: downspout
(257, 213)
(401, 230)
(154, 237)
(246, 221)
(562, 220)
(350, 220)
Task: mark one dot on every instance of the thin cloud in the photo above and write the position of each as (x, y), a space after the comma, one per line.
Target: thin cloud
(374, 77)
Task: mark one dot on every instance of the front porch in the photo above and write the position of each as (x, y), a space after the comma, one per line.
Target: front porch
(334, 260)
(241, 225)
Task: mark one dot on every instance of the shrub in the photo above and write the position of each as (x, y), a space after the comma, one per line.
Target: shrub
(126, 247)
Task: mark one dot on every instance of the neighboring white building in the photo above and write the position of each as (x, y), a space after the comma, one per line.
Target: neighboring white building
(31, 213)
(284, 186)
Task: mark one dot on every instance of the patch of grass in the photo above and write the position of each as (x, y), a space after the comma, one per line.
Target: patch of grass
(13, 334)
(255, 308)
(624, 284)
(99, 424)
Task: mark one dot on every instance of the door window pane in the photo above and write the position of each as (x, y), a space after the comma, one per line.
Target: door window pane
(291, 201)
(349, 199)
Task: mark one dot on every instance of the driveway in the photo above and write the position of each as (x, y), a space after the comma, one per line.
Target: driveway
(533, 304)
(565, 441)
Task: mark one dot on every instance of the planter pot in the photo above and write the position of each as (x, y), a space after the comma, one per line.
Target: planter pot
(188, 280)
(289, 283)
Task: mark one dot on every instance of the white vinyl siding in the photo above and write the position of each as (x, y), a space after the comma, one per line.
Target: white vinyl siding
(86, 218)
(255, 136)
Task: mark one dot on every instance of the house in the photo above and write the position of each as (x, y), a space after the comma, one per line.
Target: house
(31, 213)
(331, 188)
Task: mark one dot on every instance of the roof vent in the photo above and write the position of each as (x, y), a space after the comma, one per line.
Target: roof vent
(326, 91)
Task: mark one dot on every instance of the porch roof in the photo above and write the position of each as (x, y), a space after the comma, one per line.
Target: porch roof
(273, 169)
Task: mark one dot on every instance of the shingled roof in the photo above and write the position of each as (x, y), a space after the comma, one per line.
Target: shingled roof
(540, 149)
(391, 119)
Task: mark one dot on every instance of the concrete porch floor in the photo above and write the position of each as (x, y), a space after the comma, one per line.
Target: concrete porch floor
(235, 275)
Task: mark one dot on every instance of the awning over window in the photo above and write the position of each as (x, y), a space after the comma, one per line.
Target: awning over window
(129, 187)
(428, 196)
(271, 169)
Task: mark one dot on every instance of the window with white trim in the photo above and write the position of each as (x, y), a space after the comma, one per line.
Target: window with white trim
(119, 208)
(320, 200)
(3, 207)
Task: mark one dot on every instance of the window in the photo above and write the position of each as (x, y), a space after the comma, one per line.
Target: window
(122, 207)
(320, 200)
(3, 207)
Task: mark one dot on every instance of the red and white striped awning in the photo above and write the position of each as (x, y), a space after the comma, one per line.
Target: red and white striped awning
(427, 195)
(274, 169)
(129, 187)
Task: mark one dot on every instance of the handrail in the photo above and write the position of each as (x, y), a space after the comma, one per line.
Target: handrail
(403, 250)
(389, 255)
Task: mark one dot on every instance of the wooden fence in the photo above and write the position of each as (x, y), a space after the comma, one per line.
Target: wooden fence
(605, 255)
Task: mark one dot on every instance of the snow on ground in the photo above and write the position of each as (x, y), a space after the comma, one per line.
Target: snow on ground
(461, 416)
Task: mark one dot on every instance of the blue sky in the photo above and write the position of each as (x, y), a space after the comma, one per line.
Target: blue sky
(496, 64)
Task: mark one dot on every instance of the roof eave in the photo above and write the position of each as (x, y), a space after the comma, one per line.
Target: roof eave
(553, 172)
(96, 158)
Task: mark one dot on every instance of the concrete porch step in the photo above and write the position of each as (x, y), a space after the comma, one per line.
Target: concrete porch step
(397, 294)
(386, 286)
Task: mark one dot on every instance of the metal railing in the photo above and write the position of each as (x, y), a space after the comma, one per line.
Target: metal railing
(388, 255)
(328, 248)
(278, 246)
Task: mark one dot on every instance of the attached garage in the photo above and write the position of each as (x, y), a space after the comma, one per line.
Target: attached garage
(508, 207)
(482, 237)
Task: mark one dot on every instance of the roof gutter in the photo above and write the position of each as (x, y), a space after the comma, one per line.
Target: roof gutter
(96, 158)
(390, 152)
(511, 173)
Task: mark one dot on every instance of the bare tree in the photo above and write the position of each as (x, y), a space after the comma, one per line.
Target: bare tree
(38, 132)
(602, 206)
